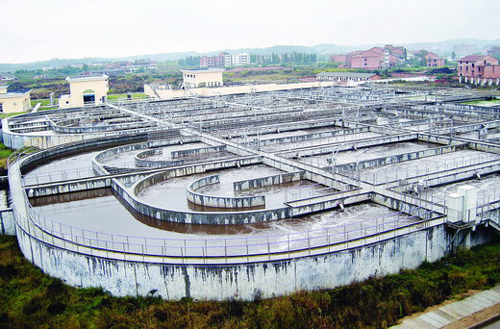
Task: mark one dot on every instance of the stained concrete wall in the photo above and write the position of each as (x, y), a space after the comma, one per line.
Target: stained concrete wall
(44, 141)
(198, 151)
(298, 138)
(102, 127)
(244, 281)
(269, 181)
(192, 217)
(79, 185)
(219, 201)
(7, 224)
(347, 145)
(401, 157)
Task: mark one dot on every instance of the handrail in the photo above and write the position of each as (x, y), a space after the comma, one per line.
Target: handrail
(52, 231)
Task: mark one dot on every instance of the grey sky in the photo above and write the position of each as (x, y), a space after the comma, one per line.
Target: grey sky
(38, 30)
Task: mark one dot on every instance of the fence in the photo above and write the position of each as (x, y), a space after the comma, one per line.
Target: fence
(58, 176)
(204, 249)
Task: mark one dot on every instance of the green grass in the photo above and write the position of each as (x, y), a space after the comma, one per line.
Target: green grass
(491, 102)
(45, 102)
(5, 152)
(7, 115)
(31, 299)
(124, 96)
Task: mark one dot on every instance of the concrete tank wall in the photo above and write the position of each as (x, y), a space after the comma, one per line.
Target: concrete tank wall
(269, 181)
(7, 225)
(220, 201)
(241, 281)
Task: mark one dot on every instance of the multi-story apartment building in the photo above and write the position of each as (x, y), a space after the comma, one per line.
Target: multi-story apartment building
(375, 58)
(433, 60)
(479, 69)
(224, 59)
(241, 59)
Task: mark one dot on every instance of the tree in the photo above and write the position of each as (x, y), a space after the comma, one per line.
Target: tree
(453, 55)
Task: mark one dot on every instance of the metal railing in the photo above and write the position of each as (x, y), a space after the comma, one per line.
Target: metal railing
(58, 176)
(222, 249)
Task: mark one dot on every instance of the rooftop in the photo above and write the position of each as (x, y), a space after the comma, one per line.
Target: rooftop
(202, 70)
(87, 78)
(14, 94)
(348, 74)
(472, 58)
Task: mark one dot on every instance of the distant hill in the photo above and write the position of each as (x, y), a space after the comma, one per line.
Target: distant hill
(443, 47)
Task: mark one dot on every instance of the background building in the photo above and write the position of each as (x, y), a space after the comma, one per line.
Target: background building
(224, 59)
(241, 59)
(433, 60)
(375, 58)
(479, 69)
(346, 76)
(207, 77)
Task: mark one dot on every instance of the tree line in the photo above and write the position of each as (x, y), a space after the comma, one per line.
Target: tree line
(274, 58)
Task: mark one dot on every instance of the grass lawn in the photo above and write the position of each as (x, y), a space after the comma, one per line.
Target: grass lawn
(124, 96)
(492, 102)
(5, 152)
(8, 115)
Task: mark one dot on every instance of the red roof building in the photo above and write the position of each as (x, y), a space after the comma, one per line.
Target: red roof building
(472, 66)
(433, 60)
(479, 69)
(375, 58)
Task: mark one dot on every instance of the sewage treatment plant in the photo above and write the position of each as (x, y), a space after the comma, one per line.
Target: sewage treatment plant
(253, 195)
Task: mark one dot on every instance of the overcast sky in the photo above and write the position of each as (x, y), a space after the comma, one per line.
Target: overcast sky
(32, 30)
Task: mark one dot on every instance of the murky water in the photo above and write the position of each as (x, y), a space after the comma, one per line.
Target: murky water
(121, 160)
(424, 166)
(106, 214)
(319, 141)
(72, 167)
(172, 193)
(288, 134)
(368, 154)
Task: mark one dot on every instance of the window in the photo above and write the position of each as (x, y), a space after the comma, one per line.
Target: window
(1, 107)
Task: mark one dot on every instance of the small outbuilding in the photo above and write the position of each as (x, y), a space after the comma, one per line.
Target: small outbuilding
(13, 102)
(347, 76)
(204, 77)
(85, 90)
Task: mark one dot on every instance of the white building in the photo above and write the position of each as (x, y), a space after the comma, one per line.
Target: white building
(196, 78)
(85, 90)
(13, 102)
(241, 59)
